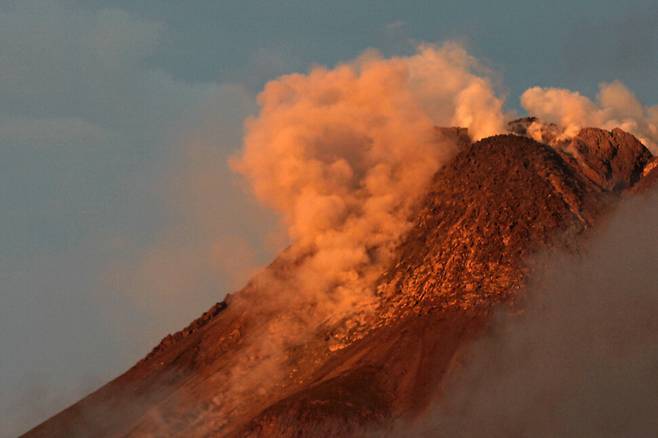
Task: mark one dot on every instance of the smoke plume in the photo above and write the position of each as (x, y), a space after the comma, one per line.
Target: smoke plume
(582, 359)
(343, 153)
(615, 107)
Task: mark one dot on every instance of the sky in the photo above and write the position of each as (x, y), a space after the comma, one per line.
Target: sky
(117, 119)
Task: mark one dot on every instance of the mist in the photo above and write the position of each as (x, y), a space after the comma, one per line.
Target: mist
(581, 358)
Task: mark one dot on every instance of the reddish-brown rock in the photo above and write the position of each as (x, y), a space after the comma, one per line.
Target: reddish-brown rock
(613, 160)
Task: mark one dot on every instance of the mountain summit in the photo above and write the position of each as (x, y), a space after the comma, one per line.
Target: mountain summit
(253, 366)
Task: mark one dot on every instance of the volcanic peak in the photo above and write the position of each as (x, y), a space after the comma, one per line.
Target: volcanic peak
(485, 213)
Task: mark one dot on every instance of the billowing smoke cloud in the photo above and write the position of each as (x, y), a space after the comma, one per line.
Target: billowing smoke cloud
(582, 359)
(342, 154)
(615, 106)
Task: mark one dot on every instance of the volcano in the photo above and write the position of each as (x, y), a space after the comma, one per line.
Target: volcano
(466, 254)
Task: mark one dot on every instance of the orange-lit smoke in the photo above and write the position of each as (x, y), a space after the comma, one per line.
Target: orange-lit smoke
(343, 153)
(615, 106)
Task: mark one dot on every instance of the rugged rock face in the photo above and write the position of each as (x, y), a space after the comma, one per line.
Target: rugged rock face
(613, 160)
(500, 200)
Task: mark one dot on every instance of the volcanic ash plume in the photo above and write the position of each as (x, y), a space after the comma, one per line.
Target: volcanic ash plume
(616, 107)
(342, 154)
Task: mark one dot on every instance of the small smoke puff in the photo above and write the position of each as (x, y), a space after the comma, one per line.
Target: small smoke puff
(616, 106)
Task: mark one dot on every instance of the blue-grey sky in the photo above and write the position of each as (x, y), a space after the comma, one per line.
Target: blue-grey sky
(110, 111)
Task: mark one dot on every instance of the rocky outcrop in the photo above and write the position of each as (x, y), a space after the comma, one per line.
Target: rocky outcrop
(613, 160)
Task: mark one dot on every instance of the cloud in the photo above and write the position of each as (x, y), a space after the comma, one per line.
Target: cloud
(90, 135)
(50, 131)
(60, 62)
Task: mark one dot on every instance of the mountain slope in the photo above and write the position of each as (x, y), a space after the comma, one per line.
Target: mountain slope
(498, 202)
(465, 255)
